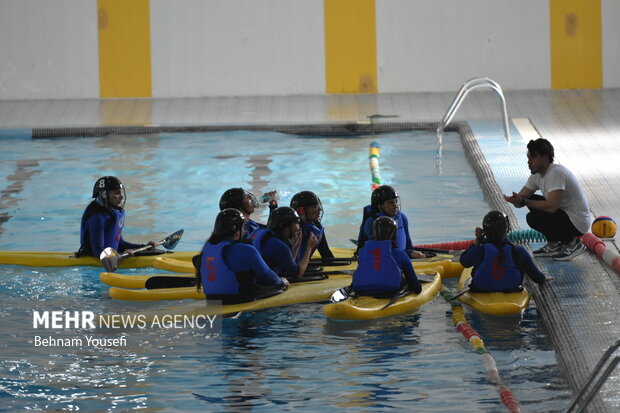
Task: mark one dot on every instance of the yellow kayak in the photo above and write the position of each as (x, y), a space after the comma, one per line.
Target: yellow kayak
(500, 304)
(170, 264)
(114, 279)
(368, 308)
(305, 292)
(450, 269)
(67, 259)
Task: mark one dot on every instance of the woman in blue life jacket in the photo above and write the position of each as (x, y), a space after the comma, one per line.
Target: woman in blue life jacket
(280, 241)
(381, 264)
(385, 201)
(104, 218)
(233, 271)
(246, 202)
(310, 210)
(498, 265)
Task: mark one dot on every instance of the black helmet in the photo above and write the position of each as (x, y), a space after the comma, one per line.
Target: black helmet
(384, 228)
(282, 217)
(382, 194)
(105, 184)
(495, 225)
(228, 222)
(233, 198)
(306, 199)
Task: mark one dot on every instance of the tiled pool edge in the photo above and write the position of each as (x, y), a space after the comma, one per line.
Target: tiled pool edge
(571, 356)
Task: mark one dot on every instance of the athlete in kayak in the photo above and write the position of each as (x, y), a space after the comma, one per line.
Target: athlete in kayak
(104, 218)
(382, 264)
(310, 210)
(498, 265)
(246, 202)
(385, 201)
(279, 243)
(233, 271)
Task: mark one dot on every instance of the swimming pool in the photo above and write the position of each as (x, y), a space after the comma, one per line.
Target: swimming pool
(276, 360)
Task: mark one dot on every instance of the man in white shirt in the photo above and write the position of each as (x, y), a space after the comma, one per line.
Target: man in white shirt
(561, 213)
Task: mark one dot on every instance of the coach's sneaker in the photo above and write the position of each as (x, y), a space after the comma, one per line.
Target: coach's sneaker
(570, 250)
(552, 248)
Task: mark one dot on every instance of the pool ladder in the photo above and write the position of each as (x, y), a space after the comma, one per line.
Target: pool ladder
(472, 84)
(587, 392)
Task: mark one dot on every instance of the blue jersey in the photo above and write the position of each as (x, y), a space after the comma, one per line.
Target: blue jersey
(276, 253)
(231, 268)
(489, 274)
(101, 228)
(319, 232)
(380, 270)
(403, 239)
(251, 226)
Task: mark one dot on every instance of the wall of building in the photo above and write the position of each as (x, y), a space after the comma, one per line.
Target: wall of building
(158, 48)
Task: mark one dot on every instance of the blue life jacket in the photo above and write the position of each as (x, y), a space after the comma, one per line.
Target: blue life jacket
(401, 235)
(257, 239)
(115, 221)
(112, 236)
(216, 277)
(492, 275)
(377, 270)
(251, 226)
(309, 227)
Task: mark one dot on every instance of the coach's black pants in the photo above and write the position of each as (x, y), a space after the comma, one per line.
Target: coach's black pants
(556, 226)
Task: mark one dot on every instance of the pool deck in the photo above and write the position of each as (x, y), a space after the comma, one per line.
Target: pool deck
(579, 307)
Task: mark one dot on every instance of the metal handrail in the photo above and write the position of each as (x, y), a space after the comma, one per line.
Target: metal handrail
(604, 375)
(472, 84)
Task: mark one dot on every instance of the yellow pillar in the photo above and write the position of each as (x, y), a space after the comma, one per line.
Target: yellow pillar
(350, 46)
(576, 45)
(124, 48)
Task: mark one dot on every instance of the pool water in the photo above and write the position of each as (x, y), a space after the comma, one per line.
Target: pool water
(284, 359)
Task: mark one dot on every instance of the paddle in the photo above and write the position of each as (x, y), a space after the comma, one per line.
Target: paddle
(167, 281)
(423, 278)
(423, 249)
(110, 259)
(399, 294)
(333, 261)
(458, 294)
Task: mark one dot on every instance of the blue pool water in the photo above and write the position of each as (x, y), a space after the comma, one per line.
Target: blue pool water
(286, 359)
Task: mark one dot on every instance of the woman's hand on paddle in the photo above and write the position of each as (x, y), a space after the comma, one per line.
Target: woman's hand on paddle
(417, 255)
(284, 282)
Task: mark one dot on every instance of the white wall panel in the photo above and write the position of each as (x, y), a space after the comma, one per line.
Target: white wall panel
(611, 43)
(48, 49)
(437, 45)
(237, 47)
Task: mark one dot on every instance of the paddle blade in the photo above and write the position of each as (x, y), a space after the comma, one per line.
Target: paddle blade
(172, 240)
(163, 281)
(109, 259)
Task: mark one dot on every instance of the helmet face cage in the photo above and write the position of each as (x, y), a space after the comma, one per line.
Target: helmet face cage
(102, 188)
(304, 199)
(235, 198)
(229, 221)
(384, 228)
(495, 225)
(282, 218)
(252, 198)
(381, 195)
